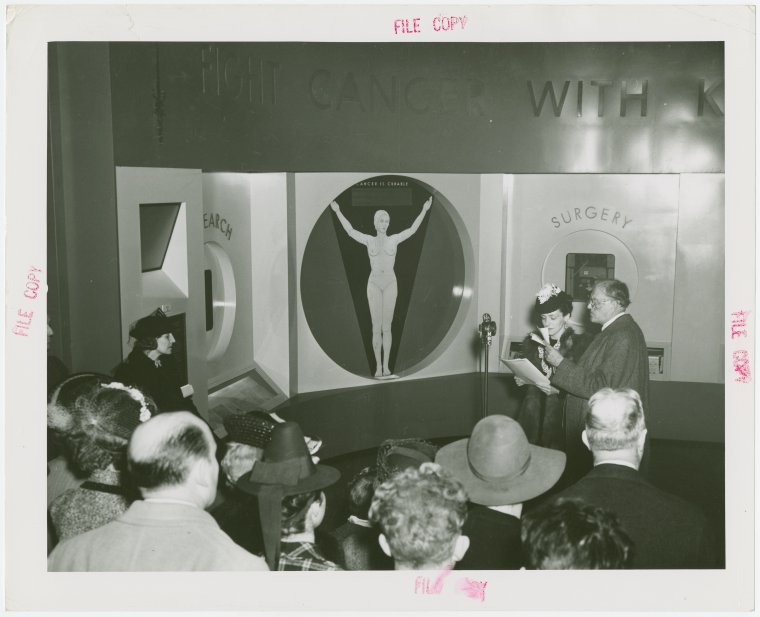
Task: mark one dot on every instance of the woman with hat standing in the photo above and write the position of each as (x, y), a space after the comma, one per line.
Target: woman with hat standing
(151, 367)
(288, 485)
(540, 413)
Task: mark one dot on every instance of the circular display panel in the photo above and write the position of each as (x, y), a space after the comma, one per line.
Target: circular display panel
(220, 300)
(383, 278)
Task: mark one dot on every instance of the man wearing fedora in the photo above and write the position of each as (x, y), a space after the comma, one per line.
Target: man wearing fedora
(288, 486)
(171, 458)
(499, 470)
(667, 532)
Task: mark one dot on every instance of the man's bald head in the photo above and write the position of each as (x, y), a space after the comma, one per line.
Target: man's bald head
(163, 451)
(615, 420)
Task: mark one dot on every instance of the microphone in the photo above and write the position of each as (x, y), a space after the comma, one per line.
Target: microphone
(487, 329)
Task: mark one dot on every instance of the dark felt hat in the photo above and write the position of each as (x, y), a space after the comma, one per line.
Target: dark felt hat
(497, 466)
(253, 428)
(395, 455)
(151, 326)
(285, 468)
(550, 298)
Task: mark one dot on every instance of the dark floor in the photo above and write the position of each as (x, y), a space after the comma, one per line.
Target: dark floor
(692, 470)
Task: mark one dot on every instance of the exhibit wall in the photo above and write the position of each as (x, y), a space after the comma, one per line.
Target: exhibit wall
(537, 151)
(451, 318)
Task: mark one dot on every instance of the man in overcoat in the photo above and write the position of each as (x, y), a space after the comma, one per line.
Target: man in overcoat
(616, 358)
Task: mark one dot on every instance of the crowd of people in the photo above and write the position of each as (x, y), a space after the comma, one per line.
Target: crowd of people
(143, 484)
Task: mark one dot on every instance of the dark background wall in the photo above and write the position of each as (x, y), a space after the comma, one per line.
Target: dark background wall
(83, 299)
(450, 406)
(459, 108)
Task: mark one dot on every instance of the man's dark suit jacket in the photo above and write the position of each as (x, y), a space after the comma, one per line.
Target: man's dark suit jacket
(616, 358)
(667, 532)
(494, 540)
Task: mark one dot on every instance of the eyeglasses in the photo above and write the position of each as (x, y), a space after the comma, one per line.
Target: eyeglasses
(594, 304)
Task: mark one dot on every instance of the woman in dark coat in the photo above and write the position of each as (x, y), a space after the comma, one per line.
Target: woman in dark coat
(540, 414)
(94, 419)
(150, 366)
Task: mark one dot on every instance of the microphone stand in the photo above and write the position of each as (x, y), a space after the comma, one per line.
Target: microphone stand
(487, 330)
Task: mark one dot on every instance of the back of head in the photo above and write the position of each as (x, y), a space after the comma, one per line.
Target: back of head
(294, 509)
(614, 420)
(164, 451)
(421, 512)
(238, 460)
(570, 535)
(62, 405)
(96, 420)
(360, 492)
(616, 290)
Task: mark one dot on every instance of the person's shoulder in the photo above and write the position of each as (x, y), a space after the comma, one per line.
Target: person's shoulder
(679, 508)
(228, 554)
(625, 322)
(81, 543)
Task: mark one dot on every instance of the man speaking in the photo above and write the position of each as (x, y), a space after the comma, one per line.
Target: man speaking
(616, 358)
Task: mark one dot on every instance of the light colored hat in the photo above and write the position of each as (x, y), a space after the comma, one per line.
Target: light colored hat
(550, 298)
(497, 466)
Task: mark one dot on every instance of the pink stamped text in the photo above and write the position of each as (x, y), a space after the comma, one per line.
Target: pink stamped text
(447, 23)
(406, 26)
(741, 366)
(740, 357)
(471, 588)
(23, 318)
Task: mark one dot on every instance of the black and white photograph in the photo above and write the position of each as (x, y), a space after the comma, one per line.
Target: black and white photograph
(418, 299)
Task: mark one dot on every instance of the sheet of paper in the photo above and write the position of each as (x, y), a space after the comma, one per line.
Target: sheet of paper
(525, 370)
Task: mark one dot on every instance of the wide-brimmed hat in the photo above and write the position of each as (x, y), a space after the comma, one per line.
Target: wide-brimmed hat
(154, 325)
(497, 466)
(395, 455)
(286, 468)
(550, 298)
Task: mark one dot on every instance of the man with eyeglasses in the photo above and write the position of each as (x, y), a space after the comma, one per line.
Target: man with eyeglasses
(616, 358)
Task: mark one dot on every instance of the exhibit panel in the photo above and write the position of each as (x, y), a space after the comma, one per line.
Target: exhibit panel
(161, 261)
(433, 270)
(244, 222)
(571, 230)
(699, 306)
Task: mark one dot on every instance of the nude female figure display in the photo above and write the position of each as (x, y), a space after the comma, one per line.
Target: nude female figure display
(381, 286)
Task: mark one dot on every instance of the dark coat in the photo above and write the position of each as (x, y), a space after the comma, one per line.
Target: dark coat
(667, 532)
(238, 517)
(358, 549)
(162, 383)
(540, 415)
(616, 358)
(494, 540)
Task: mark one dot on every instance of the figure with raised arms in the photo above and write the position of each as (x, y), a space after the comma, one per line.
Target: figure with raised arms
(382, 289)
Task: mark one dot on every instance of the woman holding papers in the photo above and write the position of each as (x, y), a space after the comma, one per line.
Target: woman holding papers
(540, 414)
